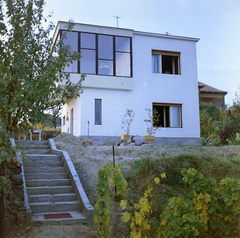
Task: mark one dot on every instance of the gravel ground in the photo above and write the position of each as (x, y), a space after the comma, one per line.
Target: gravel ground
(88, 160)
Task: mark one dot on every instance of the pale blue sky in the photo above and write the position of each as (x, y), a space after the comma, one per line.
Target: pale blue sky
(215, 22)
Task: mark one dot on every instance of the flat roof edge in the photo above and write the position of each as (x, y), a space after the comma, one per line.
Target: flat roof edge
(166, 36)
(133, 31)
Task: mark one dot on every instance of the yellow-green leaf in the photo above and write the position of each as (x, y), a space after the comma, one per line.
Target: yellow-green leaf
(126, 216)
(157, 180)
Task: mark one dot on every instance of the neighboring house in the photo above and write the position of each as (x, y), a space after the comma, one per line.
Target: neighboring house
(129, 69)
(210, 94)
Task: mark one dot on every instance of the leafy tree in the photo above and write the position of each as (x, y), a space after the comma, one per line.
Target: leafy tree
(31, 66)
(211, 109)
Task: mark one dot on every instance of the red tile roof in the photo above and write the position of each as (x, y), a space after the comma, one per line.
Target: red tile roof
(204, 88)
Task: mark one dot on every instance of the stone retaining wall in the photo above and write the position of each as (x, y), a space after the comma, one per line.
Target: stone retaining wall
(15, 210)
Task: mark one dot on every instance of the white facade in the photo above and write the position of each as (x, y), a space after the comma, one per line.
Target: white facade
(174, 92)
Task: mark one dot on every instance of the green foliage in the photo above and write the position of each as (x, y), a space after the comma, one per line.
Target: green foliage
(211, 110)
(30, 66)
(7, 152)
(214, 139)
(108, 178)
(211, 210)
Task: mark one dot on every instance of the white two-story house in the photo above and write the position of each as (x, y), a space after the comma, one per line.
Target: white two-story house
(128, 69)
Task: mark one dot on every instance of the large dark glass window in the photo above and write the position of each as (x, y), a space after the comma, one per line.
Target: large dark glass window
(105, 55)
(123, 56)
(100, 54)
(88, 53)
(71, 39)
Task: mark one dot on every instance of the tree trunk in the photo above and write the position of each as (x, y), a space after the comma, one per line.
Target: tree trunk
(2, 213)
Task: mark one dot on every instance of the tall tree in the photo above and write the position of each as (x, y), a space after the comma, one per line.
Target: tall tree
(31, 66)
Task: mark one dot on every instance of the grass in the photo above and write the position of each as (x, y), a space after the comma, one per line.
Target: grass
(144, 170)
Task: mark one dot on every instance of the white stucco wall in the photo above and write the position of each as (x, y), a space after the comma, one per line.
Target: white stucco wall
(145, 88)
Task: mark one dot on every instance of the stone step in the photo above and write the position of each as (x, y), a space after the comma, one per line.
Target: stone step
(52, 198)
(48, 182)
(49, 190)
(42, 157)
(63, 197)
(40, 207)
(37, 151)
(77, 218)
(46, 176)
(45, 170)
(29, 142)
(45, 163)
(27, 147)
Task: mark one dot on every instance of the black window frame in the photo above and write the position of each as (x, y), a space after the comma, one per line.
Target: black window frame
(97, 59)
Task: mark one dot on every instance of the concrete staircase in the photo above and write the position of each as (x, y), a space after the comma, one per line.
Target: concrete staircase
(49, 188)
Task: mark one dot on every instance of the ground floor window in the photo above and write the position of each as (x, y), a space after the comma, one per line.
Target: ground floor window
(170, 115)
(98, 111)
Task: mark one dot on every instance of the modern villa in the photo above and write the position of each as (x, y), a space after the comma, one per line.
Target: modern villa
(128, 69)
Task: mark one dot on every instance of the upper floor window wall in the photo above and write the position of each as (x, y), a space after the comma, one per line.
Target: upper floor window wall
(165, 62)
(100, 54)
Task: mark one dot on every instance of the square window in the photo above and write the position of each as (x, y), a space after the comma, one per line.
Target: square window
(169, 115)
(88, 41)
(165, 62)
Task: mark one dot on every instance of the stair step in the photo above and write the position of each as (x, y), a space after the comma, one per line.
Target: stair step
(40, 207)
(44, 163)
(37, 151)
(45, 170)
(77, 218)
(48, 182)
(42, 157)
(29, 142)
(49, 190)
(63, 197)
(25, 147)
(46, 175)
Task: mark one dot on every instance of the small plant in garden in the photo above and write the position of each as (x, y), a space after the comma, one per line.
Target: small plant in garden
(214, 140)
(153, 121)
(226, 133)
(127, 119)
(140, 214)
(108, 178)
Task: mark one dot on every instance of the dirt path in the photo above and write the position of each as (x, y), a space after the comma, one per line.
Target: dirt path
(88, 160)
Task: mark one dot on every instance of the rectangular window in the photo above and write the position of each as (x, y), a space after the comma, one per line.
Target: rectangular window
(169, 115)
(98, 111)
(88, 53)
(165, 62)
(100, 54)
(63, 123)
(71, 39)
(122, 56)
